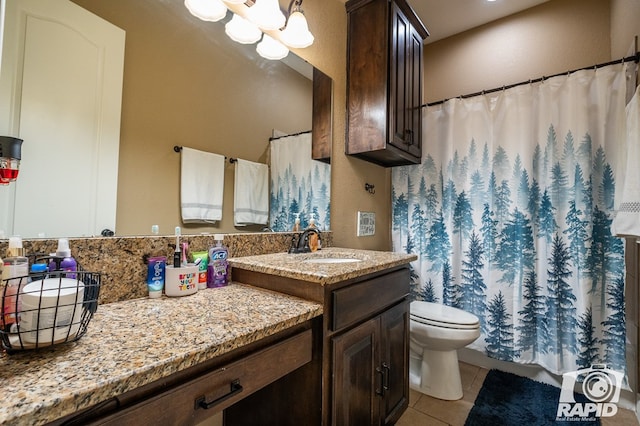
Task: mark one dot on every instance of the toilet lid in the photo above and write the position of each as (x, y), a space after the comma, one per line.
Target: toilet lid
(442, 315)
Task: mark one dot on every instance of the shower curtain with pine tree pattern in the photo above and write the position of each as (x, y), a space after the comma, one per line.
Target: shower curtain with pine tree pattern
(510, 213)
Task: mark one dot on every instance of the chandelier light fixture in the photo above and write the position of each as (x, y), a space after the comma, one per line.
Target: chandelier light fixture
(242, 30)
(296, 33)
(207, 10)
(258, 19)
(266, 15)
(270, 48)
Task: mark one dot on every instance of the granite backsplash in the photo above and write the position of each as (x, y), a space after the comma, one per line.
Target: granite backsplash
(120, 260)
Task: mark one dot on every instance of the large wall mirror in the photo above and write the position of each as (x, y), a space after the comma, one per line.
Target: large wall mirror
(185, 83)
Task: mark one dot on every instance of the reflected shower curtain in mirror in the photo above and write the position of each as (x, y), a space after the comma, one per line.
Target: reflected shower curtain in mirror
(299, 184)
(510, 214)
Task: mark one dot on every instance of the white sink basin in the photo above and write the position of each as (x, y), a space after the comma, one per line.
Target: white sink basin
(332, 260)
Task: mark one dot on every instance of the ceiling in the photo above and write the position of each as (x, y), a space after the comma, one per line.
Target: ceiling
(444, 18)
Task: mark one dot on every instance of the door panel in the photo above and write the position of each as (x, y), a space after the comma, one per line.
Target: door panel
(355, 382)
(66, 65)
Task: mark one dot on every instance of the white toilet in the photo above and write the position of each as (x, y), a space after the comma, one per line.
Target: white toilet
(436, 333)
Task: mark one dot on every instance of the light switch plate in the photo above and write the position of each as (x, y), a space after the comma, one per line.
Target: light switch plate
(366, 224)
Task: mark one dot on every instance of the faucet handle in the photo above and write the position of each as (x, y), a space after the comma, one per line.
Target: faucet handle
(294, 244)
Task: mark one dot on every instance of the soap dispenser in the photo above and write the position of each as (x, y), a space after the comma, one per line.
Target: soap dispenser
(314, 238)
(67, 263)
(296, 225)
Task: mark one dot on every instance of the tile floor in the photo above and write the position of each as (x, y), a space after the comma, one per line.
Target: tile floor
(427, 411)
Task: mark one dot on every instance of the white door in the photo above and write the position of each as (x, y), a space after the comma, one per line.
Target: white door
(63, 67)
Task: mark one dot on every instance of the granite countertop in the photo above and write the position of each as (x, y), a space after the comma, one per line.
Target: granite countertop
(132, 343)
(338, 267)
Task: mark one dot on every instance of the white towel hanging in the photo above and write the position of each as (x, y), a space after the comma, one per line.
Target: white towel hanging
(627, 220)
(251, 194)
(201, 186)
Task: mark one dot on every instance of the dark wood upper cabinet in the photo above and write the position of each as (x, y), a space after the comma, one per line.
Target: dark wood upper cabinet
(321, 122)
(384, 82)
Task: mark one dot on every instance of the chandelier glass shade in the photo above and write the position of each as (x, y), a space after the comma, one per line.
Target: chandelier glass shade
(270, 48)
(266, 15)
(242, 30)
(207, 10)
(250, 22)
(297, 33)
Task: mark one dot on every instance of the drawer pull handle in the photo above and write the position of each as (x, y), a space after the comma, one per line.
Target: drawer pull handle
(382, 387)
(385, 369)
(236, 388)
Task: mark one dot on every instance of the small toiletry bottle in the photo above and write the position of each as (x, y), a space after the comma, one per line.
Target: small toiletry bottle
(156, 268)
(201, 259)
(62, 260)
(296, 225)
(68, 263)
(15, 272)
(218, 269)
(38, 271)
(314, 239)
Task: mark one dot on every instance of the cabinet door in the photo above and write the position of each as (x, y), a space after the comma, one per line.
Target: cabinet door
(414, 93)
(355, 380)
(394, 361)
(405, 84)
(398, 87)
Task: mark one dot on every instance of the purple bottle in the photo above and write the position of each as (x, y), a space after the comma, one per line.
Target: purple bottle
(218, 268)
(67, 263)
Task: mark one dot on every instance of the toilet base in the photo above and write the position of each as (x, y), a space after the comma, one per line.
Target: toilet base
(436, 373)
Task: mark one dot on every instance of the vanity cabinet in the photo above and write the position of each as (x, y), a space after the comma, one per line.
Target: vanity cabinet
(370, 370)
(193, 395)
(384, 82)
(361, 358)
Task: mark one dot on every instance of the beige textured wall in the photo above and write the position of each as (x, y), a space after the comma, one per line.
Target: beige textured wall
(625, 25)
(551, 38)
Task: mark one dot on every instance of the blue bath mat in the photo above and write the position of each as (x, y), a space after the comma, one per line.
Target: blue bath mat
(506, 399)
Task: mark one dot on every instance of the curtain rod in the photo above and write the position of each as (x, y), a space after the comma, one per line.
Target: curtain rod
(635, 58)
(286, 136)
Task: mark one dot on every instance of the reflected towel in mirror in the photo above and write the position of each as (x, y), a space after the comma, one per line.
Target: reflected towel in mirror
(251, 194)
(201, 185)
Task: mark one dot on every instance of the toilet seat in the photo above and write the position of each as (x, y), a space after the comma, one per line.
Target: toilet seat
(438, 315)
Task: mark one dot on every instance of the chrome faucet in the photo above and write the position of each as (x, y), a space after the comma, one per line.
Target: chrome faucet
(302, 243)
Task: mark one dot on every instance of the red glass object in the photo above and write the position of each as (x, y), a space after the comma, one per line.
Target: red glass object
(8, 174)
(9, 168)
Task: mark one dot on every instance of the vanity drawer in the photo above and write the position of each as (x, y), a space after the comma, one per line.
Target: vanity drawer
(361, 300)
(220, 388)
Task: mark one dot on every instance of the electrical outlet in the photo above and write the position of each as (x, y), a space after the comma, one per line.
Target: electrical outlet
(366, 224)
